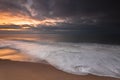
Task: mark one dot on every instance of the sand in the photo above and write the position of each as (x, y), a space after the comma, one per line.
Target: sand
(13, 70)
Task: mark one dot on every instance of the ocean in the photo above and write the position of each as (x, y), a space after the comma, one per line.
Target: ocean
(74, 54)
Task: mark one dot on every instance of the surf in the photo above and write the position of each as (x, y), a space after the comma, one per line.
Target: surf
(74, 58)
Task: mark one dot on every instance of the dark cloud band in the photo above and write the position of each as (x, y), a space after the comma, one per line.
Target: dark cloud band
(64, 8)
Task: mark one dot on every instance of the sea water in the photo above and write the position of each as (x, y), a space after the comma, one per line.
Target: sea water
(66, 53)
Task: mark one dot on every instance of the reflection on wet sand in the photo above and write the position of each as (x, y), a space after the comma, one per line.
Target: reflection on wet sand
(11, 54)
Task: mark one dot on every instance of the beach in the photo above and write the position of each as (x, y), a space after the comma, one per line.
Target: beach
(59, 40)
(14, 70)
(16, 62)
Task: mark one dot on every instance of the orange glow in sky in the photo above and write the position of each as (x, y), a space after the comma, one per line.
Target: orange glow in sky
(3, 29)
(7, 18)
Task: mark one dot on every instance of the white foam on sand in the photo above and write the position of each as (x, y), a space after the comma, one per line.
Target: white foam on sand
(75, 58)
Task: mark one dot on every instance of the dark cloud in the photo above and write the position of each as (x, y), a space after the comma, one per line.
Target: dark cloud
(78, 7)
(6, 4)
(12, 6)
(64, 7)
(106, 10)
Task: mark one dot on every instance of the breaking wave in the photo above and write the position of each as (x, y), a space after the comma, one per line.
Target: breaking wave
(75, 58)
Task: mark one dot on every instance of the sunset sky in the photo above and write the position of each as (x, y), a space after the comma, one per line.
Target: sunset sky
(55, 32)
(58, 15)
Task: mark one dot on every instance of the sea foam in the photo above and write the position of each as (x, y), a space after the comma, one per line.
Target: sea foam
(75, 58)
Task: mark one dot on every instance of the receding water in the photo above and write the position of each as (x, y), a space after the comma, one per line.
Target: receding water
(73, 54)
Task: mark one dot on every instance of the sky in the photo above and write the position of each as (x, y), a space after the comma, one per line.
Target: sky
(59, 16)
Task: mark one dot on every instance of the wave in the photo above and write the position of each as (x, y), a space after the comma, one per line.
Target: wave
(75, 58)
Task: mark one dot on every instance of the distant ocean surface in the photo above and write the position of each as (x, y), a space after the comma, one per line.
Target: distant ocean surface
(74, 54)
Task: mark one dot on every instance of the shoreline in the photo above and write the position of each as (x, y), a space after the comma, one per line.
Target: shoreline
(14, 70)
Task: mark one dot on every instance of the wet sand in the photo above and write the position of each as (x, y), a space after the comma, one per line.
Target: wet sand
(13, 70)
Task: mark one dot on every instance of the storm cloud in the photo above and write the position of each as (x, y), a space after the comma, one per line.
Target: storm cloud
(78, 11)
